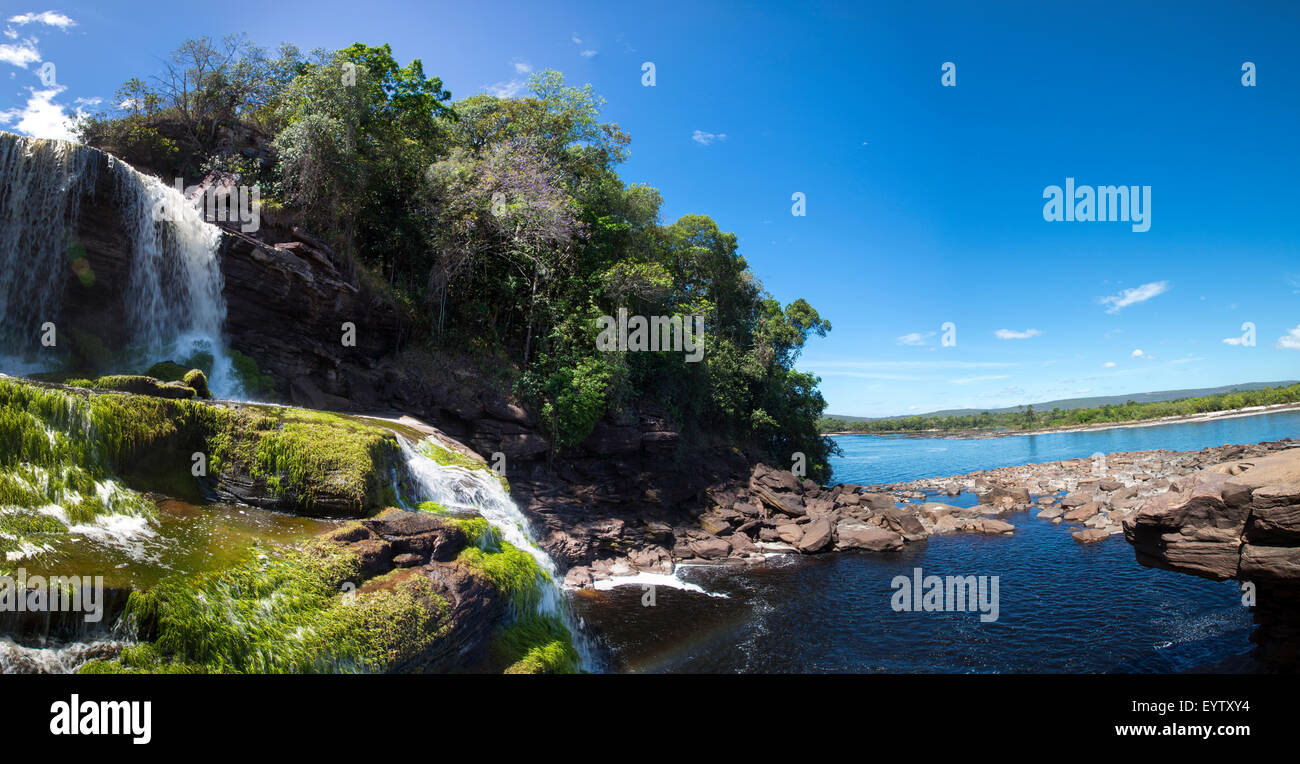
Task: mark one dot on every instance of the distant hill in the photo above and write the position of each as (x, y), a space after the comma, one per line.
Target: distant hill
(1085, 403)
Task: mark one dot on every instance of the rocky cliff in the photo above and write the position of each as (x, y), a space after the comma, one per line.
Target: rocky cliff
(1236, 520)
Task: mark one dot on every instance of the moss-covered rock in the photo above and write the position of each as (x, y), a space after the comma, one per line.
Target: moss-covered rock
(309, 462)
(198, 381)
(138, 384)
(282, 611)
(167, 371)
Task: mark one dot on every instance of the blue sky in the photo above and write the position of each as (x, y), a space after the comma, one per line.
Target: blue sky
(924, 203)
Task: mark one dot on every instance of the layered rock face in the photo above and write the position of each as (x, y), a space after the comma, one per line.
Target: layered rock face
(287, 305)
(1236, 520)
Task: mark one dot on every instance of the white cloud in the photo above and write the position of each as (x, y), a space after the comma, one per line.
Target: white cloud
(52, 18)
(508, 89)
(576, 39)
(1234, 340)
(522, 67)
(1011, 334)
(1290, 340)
(704, 139)
(915, 338)
(20, 54)
(1083, 390)
(41, 117)
(588, 53)
(1129, 297)
(1109, 365)
(1138, 353)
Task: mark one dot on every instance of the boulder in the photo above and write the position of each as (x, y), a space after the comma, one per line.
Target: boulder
(1082, 512)
(989, 525)
(710, 549)
(818, 535)
(790, 534)
(1090, 536)
(855, 535)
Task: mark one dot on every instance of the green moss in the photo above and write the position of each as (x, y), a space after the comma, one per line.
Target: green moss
(513, 571)
(198, 381)
(433, 507)
(26, 523)
(167, 371)
(284, 611)
(535, 644)
(304, 455)
(449, 458)
(250, 377)
(142, 385)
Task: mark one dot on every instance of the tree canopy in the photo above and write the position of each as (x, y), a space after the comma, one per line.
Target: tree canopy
(500, 223)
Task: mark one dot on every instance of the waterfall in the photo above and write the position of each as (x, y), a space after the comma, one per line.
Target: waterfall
(41, 186)
(471, 490)
(172, 305)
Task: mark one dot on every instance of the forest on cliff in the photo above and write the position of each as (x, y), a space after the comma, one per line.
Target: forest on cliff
(500, 227)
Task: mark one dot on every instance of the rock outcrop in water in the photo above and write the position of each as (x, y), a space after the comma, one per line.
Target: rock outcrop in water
(1236, 520)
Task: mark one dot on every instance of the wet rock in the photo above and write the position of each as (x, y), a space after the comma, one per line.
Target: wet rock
(578, 577)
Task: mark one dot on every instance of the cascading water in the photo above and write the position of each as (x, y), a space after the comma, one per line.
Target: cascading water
(461, 489)
(41, 186)
(173, 304)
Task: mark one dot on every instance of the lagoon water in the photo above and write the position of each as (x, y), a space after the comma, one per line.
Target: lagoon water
(1064, 607)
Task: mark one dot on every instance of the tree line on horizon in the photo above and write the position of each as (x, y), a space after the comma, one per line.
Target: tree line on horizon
(499, 226)
(1028, 419)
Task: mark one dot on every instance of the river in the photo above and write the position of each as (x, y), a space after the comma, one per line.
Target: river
(1063, 606)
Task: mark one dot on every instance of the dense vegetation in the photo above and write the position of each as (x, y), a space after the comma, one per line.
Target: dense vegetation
(500, 224)
(1028, 419)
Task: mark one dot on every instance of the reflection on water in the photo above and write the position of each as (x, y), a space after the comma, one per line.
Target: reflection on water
(183, 538)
